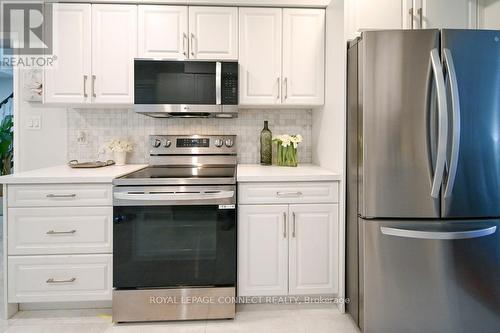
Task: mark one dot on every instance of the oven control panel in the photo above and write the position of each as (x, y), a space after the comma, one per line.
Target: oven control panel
(192, 144)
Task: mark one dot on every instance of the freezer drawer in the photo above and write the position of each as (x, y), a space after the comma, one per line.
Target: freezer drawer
(433, 277)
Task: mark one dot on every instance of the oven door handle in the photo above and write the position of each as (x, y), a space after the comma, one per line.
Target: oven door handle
(166, 196)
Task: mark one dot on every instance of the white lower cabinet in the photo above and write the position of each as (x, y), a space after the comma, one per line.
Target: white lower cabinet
(288, 249)
(262, 250)
(313, 256)
(60, 278)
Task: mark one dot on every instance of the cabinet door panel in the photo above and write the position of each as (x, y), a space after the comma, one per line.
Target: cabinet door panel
(260, 55)
(448, 14)
(68, 80)
(163, 32)
(313, 249)
(262, 250)
(213, 32)
(303, 56)
(488, 14)
(114, 47)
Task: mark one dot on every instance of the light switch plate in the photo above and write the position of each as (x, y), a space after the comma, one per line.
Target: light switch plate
(34, 123)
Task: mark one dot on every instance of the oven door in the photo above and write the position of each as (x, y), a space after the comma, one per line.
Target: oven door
(168, 237)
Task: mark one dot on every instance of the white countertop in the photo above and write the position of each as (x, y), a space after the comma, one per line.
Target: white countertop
(301, 173)
(65, 174)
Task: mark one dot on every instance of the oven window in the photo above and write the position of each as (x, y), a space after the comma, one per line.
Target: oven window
(170, 246)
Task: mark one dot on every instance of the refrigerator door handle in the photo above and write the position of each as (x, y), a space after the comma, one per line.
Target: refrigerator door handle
(438, 235)
(437, 69)
(455, 106)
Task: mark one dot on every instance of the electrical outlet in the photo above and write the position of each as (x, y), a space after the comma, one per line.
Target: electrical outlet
(34, 123)
(82, 138)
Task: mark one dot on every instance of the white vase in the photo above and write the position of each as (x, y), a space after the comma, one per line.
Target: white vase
(120, 157)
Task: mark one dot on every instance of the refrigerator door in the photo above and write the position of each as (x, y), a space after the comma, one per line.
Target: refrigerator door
(399, 136)
(473, 190)
(431, 277)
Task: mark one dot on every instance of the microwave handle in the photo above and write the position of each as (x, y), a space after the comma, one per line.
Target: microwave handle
(218, 83)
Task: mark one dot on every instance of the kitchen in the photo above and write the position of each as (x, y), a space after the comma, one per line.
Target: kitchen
(186, 88)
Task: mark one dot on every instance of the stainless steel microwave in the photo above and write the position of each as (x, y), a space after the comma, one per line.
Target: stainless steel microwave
(186, 89)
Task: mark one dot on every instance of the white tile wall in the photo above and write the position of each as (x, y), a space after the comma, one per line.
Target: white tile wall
(102, 125)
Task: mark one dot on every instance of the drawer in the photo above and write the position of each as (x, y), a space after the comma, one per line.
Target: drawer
(48, 195)
(288, 193)
(60, 230)
(60, 278)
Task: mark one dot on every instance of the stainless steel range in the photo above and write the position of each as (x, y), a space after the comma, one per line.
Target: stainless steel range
(174, 233)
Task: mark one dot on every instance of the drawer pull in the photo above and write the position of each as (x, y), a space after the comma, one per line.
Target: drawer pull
(72, 195)
(53, 232)
(289, 194)
(52, 280)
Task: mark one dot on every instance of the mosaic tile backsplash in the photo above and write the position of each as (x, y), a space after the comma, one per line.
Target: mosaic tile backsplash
(101, 125)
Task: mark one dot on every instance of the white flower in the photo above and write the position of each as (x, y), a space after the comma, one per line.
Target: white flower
(120, 145)
(286, 140)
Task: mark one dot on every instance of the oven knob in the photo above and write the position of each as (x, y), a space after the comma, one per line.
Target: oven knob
(229, 143)
(167, 144)
(156, 143)
(218, 143)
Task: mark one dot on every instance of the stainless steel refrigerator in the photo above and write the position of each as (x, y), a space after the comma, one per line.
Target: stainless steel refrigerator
(423, 181)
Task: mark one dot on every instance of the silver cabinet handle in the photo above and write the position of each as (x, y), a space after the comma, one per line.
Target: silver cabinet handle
(455, 107)
(285, 194)
(72, 195)
(410, 12)
(184, 38)
(53, 232)
(437, 69)
(85, 86)
(278, 81)
(293, 228)
(438, 235)
(284, 225)
(192, 44)
(420, 17)
(52, 280)
(93, 86)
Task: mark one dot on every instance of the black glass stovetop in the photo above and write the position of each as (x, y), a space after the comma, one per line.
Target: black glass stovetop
(182, 172)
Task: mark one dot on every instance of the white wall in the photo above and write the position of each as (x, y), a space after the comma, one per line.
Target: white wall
(38, 148)
(329, 122)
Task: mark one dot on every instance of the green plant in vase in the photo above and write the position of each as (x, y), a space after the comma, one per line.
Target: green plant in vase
(287, 149)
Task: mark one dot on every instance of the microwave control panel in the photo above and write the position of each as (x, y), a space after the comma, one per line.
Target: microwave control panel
(229, 83)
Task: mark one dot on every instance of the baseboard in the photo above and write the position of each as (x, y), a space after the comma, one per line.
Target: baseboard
(64, 305)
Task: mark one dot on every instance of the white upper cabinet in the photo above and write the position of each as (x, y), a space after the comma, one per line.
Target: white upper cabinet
(450, 14)
(489, 14)
(213, 32)
(313, 249)
(114, 47)
(163, 32)
(68, 81)
(262, 250)
(260, 55)
(375, 14)
(303, 56)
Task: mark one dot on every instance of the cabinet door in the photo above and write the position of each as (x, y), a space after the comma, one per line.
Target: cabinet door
(488, 14)
(260, 55)
(163, 32)
(376, 14)
(303, 56)
(262, 250)
(68, 80)
(450, 14)
(213, 32)
(114, 47)
(314, 249)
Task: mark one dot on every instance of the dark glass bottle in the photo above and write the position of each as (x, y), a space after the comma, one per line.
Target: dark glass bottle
(266, 146)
